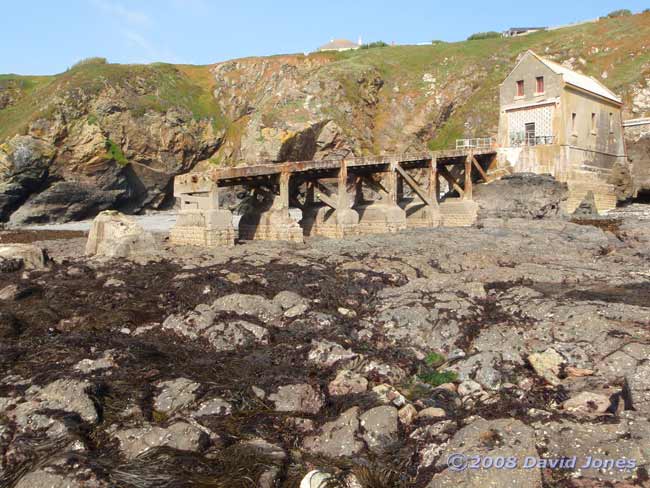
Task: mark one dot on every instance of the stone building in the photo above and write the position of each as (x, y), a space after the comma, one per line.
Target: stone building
(554, 120)
(340, 45)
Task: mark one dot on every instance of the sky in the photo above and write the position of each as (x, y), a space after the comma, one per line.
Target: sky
(47, 37)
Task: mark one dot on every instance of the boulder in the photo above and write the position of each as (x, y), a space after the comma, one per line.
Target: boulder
(215, 406)
(175, 394)
(521, 195)
(115, 235)
(337, 438)
(587, 403)
(180, 435)
(547, 365)
(257, 306)
(297, 398)
(380, 427)
(496, 438)
(69, 395)
(326, 353)
(346, 383)
(638, 387)
(25, 256)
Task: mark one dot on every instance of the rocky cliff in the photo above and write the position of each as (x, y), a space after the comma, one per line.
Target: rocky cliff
(102, 135)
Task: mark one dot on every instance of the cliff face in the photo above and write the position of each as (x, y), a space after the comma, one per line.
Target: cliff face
(100, 136)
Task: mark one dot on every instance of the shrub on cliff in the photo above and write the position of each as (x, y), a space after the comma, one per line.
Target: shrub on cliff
(619, 13)
(89, 61)
(484, 35)
(374, 44)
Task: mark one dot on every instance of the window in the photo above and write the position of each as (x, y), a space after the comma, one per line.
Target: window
(540, 84)
(593, 123)
(611, 123)
(520, 88)
(573, 123)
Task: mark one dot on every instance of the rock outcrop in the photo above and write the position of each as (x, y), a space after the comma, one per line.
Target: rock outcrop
(521, 195)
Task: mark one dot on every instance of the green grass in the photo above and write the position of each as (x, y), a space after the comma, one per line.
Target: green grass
(482, 64)
(437, 378)
(434, 359)
(156, 87)
(114, 153)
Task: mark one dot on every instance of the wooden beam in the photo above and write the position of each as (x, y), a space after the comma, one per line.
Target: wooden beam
(413, 184)
(342, 200)
(374, 185)
(478, 166)
(391, 183)
(322, 191)
(467, 195)
(444, 172)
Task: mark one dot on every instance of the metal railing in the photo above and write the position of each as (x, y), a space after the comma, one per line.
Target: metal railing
(530, 140)
(477, 143)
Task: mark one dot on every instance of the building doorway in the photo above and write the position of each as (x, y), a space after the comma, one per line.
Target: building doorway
(530, 133)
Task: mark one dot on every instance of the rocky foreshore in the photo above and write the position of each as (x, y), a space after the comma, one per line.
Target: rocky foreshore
(407, 360)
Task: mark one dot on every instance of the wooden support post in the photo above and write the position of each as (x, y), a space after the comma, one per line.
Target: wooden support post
(479, 168)
(400, 184)
(444, 172)
(282, 202)
(414, 185)
(358, 191)
(391, 183)
(309, 193)
(213, 197)
(468, 178)
(342, 197)
(433, 188)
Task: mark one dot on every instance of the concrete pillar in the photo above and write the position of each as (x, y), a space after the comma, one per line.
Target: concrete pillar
(270, 220)
(200, 221)
(337, 220)
(384, 216)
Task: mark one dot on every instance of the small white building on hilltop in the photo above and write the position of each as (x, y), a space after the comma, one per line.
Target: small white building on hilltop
(340, 45)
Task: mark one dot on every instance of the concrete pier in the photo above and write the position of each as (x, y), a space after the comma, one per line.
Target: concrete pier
(201, 222)
(329, 207)
(269, 218)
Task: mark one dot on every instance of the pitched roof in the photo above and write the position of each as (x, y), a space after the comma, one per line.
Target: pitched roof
(339, 44)
(578, 80)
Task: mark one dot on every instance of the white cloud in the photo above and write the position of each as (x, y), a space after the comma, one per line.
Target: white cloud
(151, 52)
(133, 17)
(196, 5)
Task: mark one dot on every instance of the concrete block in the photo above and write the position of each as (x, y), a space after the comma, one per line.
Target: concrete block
(380, 218)
(206, 228)
(270, 225)
(419, 215)
(326, 222)
(456, 212)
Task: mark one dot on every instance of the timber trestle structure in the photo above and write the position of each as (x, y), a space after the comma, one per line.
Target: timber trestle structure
(330, 195)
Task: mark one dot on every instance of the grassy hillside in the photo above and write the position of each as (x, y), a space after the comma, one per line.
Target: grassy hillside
(615, 51)
(155, 87)
(462, 78)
